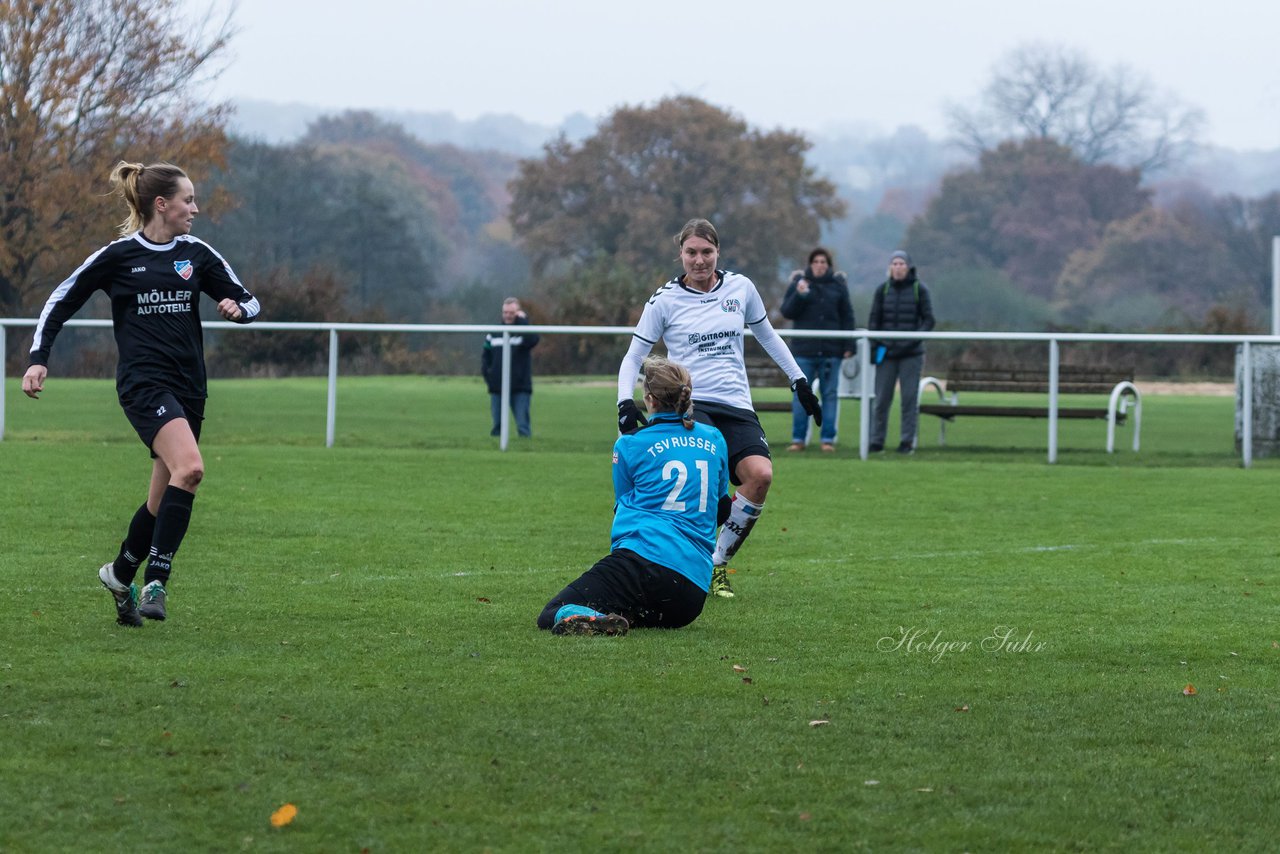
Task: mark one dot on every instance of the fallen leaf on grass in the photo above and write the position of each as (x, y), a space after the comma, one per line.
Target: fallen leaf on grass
(746, 679)
(819, 723)
(804, 816)
(1189, 690)
(284, 815)
(738, 668)
(963, 708)
(483, 599)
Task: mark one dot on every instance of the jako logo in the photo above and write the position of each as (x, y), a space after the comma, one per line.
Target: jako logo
(138, 270)
(183, 268)
(161, 411)
(731, 305)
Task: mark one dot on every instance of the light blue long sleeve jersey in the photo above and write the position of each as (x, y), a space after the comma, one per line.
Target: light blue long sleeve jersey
(668, 482)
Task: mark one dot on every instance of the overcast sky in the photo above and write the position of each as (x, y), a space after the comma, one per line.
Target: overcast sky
(799, 64)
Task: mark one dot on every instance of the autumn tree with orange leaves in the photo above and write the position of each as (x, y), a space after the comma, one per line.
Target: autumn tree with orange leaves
(624, 192)
(83, 85)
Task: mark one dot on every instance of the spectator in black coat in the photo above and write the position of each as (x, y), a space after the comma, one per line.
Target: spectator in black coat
(901, 304)
(818, 298)
(521, 369)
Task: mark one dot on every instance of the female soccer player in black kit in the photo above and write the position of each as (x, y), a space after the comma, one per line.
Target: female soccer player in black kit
(154, 275)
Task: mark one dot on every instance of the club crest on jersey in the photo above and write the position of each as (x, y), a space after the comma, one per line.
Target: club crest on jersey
(731, 306)
(184, 269)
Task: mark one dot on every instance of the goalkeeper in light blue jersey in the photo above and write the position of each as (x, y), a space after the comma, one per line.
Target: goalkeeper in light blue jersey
(671, 483)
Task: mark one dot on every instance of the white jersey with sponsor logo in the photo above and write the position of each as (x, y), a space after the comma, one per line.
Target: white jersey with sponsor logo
(704, 332)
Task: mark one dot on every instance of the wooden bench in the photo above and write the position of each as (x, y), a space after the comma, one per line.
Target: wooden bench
(1116, 383)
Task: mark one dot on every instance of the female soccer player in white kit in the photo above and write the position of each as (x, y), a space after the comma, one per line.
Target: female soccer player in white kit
(702, 316)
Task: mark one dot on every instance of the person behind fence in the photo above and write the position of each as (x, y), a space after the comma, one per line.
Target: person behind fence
(153, 275)
(671, 488)
(521, 369)
(901, 304)
(701, 316)
(818, 298)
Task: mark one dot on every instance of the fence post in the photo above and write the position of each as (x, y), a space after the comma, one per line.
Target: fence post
(4, 351)
(331, 415)
(1246, 426)
(1053, 399)
(865, 413)
(504, 432)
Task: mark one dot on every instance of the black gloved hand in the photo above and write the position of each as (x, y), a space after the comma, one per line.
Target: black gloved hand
(808, 399)
(723, 508)
(629, 418)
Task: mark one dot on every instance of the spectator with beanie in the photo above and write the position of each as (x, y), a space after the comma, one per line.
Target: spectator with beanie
(521, 369)
(901, 304)
(818, 298)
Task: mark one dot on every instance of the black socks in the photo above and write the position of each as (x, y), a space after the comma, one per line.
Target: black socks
(136, 545)
(170, 527)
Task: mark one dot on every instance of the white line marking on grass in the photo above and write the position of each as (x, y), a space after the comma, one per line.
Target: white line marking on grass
(528, 570)
(1064, 547)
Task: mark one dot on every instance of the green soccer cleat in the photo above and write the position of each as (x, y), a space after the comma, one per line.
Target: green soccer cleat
(720, 582)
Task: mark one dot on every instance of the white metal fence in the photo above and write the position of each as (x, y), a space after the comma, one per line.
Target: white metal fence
(1052, 341)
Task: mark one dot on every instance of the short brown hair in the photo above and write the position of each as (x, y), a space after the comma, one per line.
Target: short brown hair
(698, 228)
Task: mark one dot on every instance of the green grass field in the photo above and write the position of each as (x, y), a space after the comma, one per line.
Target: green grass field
(964, 650)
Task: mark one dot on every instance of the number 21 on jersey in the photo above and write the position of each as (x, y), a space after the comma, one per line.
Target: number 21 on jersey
(678, 470)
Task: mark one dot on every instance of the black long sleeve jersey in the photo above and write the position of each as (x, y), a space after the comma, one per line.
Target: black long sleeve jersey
(154, 292)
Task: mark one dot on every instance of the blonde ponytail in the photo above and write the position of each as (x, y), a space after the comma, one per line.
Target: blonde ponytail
(670, 386)
(140, 186)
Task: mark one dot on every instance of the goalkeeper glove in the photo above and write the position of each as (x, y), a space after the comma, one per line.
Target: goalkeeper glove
(808, 399)
(629, 418)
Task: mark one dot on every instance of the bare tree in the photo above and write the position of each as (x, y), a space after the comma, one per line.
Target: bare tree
(1054, 92)
(83, 84)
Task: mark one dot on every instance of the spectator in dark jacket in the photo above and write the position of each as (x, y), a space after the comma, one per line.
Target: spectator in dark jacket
(521, 369)
(818, 298)
(901, 304)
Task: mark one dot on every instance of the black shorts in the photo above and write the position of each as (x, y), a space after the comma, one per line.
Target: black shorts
(622, 582)
(743, 434)
(149, 409)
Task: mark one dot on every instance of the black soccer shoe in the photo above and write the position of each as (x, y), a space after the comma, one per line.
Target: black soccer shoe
(584, 624)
